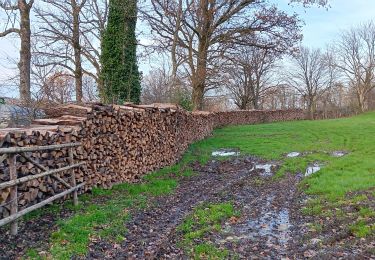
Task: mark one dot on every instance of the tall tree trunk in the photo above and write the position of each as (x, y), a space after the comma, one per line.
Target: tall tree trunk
(175, 42)
(244, 102)
(361, 101)
(256, 102)
(100, 83)
(311, 107)
(199, 83)
(25, 51)
(197, 96)
(77, 52)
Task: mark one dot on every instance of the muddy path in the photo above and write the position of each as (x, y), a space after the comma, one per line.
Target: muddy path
(150, 229)
(270, 225)
(264, 229)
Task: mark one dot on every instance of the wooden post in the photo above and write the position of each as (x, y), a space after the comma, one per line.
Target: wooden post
(73, 178)
(13, 193)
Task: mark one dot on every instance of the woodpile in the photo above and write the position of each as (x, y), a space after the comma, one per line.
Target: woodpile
(243, 117)
(37, 189)
(119, 143)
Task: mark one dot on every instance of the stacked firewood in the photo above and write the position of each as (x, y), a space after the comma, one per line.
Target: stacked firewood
(243, 117)
(37, 189)
(121, 143)
(118, 143)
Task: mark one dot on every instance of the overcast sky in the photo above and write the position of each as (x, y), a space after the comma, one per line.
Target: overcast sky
(322, 26)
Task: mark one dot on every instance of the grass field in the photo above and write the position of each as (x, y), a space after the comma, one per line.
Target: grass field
(356, 135)
(338, 177)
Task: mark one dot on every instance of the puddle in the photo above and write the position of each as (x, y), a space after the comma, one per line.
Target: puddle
(267, 169)
(274, 225)
(312, 169)
(293, 154)
(339, 153)
(226, 152)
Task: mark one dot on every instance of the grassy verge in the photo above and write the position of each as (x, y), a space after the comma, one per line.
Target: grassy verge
(204, 220)
(105, 220)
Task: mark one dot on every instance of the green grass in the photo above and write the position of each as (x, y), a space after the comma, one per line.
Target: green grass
(339, 177)
(32, 254)
(359, 198)
(209, 251)
(362, 229)
(106, 220)
(356, 135)
(366, 212)
(204, 220)
(315, 227)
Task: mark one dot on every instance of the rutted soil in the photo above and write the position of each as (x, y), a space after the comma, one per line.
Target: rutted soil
(270, 225)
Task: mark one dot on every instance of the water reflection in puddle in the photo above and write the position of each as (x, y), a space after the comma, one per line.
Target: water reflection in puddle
(312, 169)
(267, 169)
(333, 154)
(293, 154)
(226, 152)
(272, 224)
(338, 153)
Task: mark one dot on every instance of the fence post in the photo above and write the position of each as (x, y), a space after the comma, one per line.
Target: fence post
(13, 193)
(73, 177)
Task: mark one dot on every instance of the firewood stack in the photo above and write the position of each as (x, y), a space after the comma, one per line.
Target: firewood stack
(119, 143)
(37, 189)
(243, 117)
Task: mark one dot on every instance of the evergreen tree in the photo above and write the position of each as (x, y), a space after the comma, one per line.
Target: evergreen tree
(119, 61)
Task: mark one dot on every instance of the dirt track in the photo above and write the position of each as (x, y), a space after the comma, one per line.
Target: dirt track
(270, 226)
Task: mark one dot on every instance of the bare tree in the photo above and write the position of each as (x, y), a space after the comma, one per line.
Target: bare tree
(60, 36)
(335, 102)
(58, 88)
(23, 30)
(281, 97)
(160, 86)
(312, 74)
(93, 23)
(356, 59)
(311, 2)
(156, 87)
(90, 89)
(250, 73)
(200, 31)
